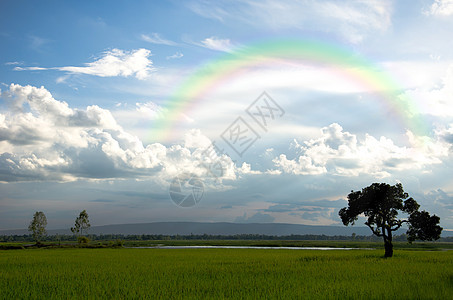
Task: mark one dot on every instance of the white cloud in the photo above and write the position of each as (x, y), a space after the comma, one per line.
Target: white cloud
(295, 75)
(117, 63)
(247, 169)
(155, 38)
(353, 19)
(138, 117)
(217, 44)
(341, 153)
(111, 64)
(411, 74)
(61, 79)
(434, 98)
(11, 63)
(175, 56)
(44, 139)
(150, 110)
(30, 69)
(195, 139)
(441, 8)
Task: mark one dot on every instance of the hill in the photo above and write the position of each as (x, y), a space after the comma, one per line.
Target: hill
(218, 228)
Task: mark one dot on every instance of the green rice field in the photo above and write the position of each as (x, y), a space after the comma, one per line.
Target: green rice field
(224, 273)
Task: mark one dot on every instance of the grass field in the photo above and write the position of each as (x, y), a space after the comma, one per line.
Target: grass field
(224, 273)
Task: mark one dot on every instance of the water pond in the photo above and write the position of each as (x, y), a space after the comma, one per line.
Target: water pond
(247, 247)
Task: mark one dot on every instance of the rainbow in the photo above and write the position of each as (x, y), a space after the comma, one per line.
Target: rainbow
(276, 51)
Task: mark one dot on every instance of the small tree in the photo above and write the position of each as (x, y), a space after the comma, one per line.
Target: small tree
(81, 223)
(38, 226)
(380, 203)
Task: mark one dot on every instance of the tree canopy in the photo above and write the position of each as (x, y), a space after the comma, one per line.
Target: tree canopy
(38, 226)
(380, 203)
(81, 223)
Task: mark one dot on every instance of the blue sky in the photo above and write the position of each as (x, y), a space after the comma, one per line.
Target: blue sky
(84, 86)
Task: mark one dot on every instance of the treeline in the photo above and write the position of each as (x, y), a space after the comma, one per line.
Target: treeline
(38, 225)
(150, 237)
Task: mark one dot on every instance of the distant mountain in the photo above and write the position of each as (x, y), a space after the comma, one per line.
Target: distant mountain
(220, 228)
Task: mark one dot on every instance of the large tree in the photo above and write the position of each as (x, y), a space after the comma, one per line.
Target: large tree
(380, 203)
(81, 223)
(38, 226)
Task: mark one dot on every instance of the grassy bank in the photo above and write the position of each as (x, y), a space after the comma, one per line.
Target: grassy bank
(220, 273)
(263, 243)
(275, 243)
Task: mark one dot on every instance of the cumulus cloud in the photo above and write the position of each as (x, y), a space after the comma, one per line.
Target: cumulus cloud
(44, 139)
(441, 8)
(111, 64)
(341, 153)
(352, 19)
(247, 169)
(155, 38)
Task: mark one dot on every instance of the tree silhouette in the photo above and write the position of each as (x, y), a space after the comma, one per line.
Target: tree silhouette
(81, 223)
(38, 226)
(380, 203)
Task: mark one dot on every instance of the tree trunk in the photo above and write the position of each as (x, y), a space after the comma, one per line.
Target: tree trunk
(388, 248)
(388, 244)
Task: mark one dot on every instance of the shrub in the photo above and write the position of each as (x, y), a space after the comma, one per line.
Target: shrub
(83, 240)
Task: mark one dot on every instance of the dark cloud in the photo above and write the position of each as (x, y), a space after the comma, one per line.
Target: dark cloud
(440, 196)
(102, 200)
(306, 206)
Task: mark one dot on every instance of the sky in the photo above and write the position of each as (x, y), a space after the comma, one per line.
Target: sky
(222, 111)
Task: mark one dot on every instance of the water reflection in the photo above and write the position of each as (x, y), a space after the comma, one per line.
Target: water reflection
(247, 247)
